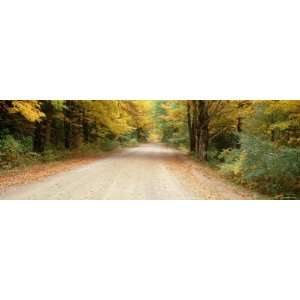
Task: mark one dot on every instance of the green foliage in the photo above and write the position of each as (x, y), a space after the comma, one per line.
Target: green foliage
(276, 121)
(90, 148)
(26, 144)
(52, 155)
(170, 117)
(107, 144)
(15, 152)
(51, 130)
(10, 151)
(263, 165)
(225, 140)
(178, 141)
(128, 140)
(266, 156)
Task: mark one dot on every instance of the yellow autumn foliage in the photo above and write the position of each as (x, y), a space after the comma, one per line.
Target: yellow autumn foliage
(29, 109)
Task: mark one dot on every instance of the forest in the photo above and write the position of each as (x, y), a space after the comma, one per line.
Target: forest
(253, 143)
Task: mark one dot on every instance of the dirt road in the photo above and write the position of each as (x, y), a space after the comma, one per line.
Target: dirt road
(150, 171)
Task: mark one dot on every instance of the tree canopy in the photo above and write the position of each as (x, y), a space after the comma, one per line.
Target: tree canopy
(249, 140)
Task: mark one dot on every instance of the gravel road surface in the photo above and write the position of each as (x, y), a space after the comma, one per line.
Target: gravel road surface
(149, 171)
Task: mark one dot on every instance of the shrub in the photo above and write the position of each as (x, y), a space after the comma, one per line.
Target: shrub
(219, 143)
(14, 153)
(178, 140)
(131, 143)
(225, 140)
(261, 164)
(51, 155)
(11, 151)
(26, 143)
(90, 148)
(107, 144)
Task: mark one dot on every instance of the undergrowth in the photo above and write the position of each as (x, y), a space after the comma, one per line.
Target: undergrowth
(264, 166)
(18, 152)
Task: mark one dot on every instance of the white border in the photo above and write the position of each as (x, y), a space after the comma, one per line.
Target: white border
(62, 49)
(149, 250)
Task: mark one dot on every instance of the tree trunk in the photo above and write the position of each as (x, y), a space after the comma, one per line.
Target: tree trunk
(42, 133)
(202, 134)
(239, 130)
(72, 125)
(191, 127)
(67, 126)
(38, 140)
(203, 146)
(85, 128)
(47, 122)
(239, 124)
